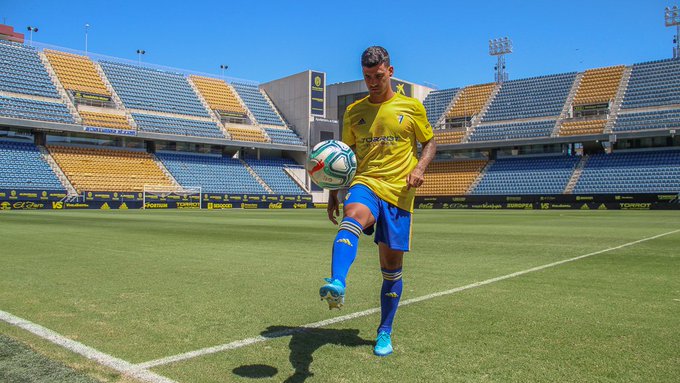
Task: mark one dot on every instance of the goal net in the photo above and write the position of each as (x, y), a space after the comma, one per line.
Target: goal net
(187, 197)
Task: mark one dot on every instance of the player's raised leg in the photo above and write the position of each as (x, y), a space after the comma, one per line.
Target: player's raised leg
(345, 246)
(390, 264)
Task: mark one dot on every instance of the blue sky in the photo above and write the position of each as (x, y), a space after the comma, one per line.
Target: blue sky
(444, 43)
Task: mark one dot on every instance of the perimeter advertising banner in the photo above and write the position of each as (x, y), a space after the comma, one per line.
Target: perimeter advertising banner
(25, 195)
(551, 202)
(318, 94)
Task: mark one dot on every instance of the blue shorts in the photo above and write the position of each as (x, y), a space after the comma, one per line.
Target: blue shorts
(392, 224)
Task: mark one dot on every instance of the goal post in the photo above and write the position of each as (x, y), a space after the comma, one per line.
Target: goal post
(189, 195)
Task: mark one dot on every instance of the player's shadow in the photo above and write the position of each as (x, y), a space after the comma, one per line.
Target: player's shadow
(304, 341)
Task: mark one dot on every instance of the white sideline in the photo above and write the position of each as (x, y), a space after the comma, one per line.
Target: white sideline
(258, 339)
(119, 365)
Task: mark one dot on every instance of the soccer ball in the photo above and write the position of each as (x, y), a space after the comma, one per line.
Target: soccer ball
(331, 164)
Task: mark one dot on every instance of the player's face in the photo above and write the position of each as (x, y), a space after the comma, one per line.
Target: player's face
(377, 79)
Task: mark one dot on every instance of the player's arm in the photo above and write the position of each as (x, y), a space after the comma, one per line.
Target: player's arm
(417, 175)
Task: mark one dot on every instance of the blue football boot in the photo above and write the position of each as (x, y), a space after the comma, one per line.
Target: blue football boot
(333, 292)
(383, 344)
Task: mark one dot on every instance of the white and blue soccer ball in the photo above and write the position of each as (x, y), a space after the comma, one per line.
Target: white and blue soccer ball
(331, 164)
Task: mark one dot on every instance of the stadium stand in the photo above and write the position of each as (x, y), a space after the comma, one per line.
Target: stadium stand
(90, 169)
(513, 131)
(532, 175)
(177, 126)
(437, 102)
(656, 119)
(450, 178)
(253, 134)
(24, 108)
(21, 71)
(23, 167)
(283, 136)
(76, 73)
(213, 174)
(654, 83)
(272, 172)
(471, 101)
(598, 85)
(106, 120)
(219, 96)
(631, 172)
(153, 90)
(449, 136)
(576, 128)
(257, 103)
(530, 98)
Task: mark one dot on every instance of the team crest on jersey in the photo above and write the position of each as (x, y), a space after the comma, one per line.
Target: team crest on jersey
(361, 122)
(400, 118)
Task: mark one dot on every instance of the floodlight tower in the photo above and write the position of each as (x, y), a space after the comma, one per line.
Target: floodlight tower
(672, 17)
(499, 48)
(31, 29)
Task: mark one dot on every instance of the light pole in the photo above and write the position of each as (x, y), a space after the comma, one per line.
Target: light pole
(87, 27)
(500, 47)
(672, 18)
(32, 29)
(223, 68)
(140, 52)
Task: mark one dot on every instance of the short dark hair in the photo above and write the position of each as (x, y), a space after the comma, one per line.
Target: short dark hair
(374, 56)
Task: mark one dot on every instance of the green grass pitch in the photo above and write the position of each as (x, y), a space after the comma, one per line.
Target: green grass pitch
(144, 285)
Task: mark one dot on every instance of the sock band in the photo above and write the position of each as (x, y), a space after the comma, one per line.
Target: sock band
(391, 275)
(351, 225)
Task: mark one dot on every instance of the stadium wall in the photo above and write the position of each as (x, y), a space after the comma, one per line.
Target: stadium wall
(554, 202)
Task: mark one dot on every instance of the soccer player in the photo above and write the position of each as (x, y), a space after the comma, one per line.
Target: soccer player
(383, 130)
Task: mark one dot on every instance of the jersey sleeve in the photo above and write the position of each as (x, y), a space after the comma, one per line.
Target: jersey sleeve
(347, 133)
(422, 127)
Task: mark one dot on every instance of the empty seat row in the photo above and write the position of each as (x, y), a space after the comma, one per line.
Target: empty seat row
(76, 72)
(257, 104)
(21, 71)
(654, 83)
(532, 175)
(177, 126)
(152, 89)
(23, 167)
(514, 131)
(533, 97)
(437, 102)
(212, 173)
(29, 109)
(272, 171)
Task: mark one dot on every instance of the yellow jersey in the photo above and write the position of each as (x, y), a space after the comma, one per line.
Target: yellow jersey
(384, 139)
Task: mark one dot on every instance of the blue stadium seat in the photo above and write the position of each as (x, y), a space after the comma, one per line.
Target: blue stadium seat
(153, 89)
(214, 174)
(520, 130)
(283, 136)
(631, 172)
(21, 71)
(653, 83)
(532, 175)
(436, 103)
(258, 105)
(15, 107)
(656, 119)
(531, 97)
(177, 126)
(23, 167)
(271, 170)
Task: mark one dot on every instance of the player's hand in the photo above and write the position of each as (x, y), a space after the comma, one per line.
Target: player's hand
(333, 208)
(415, 178)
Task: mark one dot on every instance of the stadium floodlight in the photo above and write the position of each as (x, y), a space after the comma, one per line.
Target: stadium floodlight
(140, 52)
(499, 48)
(672, 18)
(223, 68)
(87, 27)
(31, 29)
